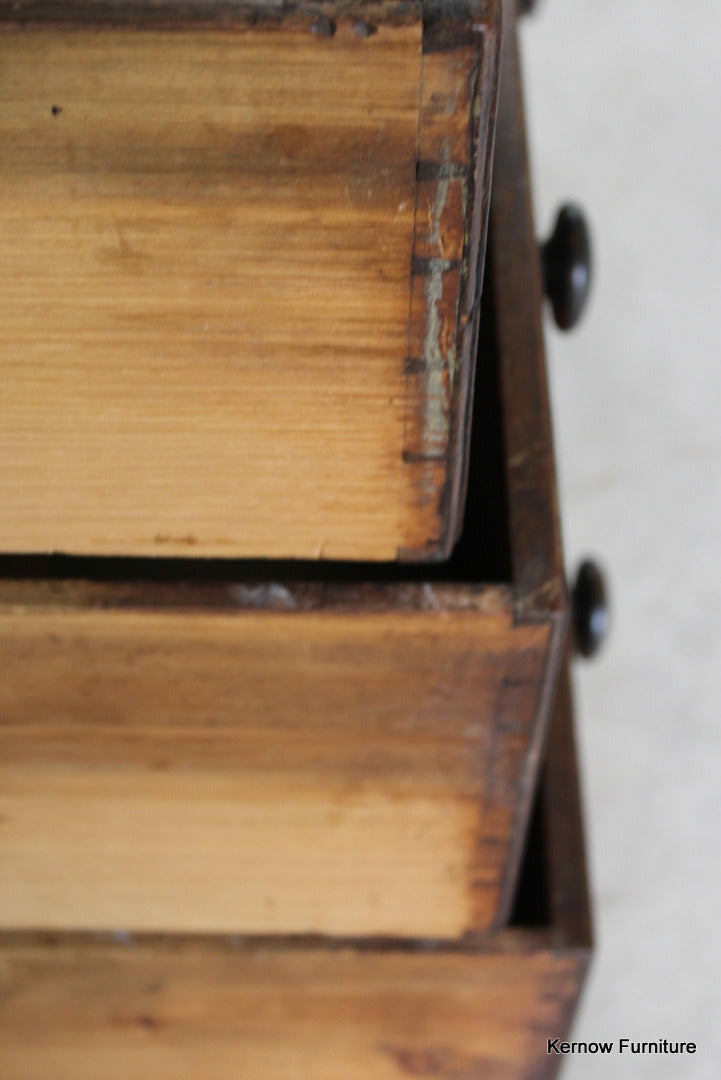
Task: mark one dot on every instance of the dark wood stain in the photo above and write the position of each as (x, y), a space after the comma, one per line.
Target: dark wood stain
(439, 170)
(323, 27)
(471, 32)
(409, 456)
(149, 1023)
(534, 744)
(199, 14)
(438, 1061)
(562, 813)
(422, 267)
(485, 96)
(514, 262)
(414, 365)
(455, 25)
(363, 29)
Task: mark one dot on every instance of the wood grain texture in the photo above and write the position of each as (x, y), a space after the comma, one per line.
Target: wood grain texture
(274, 1013)
(207, 256)
(437, 694)
(515, 270)
(278, 1009)
(459, 80)
(563, 827)
(350, 771)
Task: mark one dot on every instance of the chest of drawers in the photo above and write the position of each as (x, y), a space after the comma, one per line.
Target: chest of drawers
(279, 818)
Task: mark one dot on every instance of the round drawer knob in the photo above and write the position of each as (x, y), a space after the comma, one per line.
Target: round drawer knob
(566, 262)
(590, 609)
(526, 7)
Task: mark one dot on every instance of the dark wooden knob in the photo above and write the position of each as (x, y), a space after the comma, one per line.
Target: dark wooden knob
(590, 609)
(566, 262)
(525, 7)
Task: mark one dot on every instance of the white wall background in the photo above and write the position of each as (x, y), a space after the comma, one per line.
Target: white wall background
(624, 113)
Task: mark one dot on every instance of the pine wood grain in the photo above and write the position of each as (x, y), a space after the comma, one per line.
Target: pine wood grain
(278, 1009)
(274, 1013)
(344, 771)
(207, 255)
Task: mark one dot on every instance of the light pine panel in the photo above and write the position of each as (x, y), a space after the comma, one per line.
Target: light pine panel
(276, 1009)
(206, 265)
(280, 1012)
(205, 290)
(358, 770)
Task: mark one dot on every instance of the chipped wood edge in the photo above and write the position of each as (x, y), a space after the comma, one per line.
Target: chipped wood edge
(536, 753)
(454, 174)
(477, 231)
(317, 16)
(21, 595)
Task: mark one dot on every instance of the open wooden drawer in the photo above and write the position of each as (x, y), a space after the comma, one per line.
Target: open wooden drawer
(275, 1008)
(240, 274)
(301, 748)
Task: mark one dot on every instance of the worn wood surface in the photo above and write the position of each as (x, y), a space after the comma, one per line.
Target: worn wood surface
(514, 335)
(276, 1009)
(563, 827)
(262, 767)
(515, 269)
(212, 240)
(184, 1010)
(395, 731)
